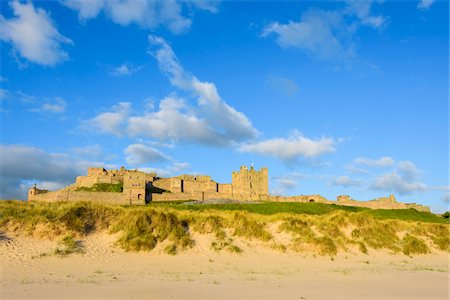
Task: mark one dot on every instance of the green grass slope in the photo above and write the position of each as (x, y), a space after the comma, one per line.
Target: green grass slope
(311, 227)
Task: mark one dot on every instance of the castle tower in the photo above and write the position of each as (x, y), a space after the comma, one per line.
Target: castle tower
(134, 187)
(251, 182)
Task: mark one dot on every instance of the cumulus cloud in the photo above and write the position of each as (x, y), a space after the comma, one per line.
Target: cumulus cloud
(404, 179)
(446, 198)
(285, 85)
(313, 34)
(209, 5)
(362, 10)
(144, 13)
(124, 70)
(384, 161)
(21, 166)
(3, 94)
(227, 122)
(325, 34)
(210, 122)
(112, 121)
(425, 4)
(174, 121)
(291, 148)
(33, 35)
(58, 106)
(139, 154)
(37, 104)
(346, 181)
(284, 183)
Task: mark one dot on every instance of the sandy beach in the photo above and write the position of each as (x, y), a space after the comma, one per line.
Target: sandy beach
(31, 270)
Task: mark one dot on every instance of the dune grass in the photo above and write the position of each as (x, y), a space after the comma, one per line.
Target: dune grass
(326, 231)
(271, 208)
(68, 245)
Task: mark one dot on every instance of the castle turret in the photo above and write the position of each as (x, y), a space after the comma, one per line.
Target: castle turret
(250, 182)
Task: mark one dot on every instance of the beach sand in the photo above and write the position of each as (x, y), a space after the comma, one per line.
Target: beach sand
(31, 270)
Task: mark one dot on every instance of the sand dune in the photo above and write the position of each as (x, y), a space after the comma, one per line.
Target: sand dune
(31, 270)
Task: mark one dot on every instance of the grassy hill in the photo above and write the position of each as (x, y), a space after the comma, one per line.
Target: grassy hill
(271, 208)
(310, 227)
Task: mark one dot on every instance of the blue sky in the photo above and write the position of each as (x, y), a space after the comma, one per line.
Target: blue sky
(333, 97)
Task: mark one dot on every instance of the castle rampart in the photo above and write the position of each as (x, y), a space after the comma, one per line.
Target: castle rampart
(139, 188)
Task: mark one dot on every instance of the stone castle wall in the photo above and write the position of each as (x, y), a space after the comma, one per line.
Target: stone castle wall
(141, 188)
(68, 195)
(250, 181)
(172, 185)
(380, 203)
(302, 198)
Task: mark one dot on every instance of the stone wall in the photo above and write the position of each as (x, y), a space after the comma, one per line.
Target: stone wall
(250, 181)
(380, 203)
(301, 198)
(140, 188)
(226, 188)
(194, 177)
(168, 184)
(190, 186)
(68, 195)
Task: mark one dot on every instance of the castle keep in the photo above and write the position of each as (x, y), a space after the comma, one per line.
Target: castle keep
(132, 187)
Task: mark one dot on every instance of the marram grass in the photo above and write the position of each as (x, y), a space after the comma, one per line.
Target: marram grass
(313, 230)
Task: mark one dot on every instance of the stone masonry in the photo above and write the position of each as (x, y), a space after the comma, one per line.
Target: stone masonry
(140, 188)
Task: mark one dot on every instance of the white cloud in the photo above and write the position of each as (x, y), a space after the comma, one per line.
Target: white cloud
(313, 34)
(291, 148)
(227, 122)
(144, 13)
(174, 121)
(408, 170)
(25, 98)
(87, 9)
(446, 189)
(209, 5)
(139, 154)
(59, 105)
(38, 104)
(326, 34)
(404, 179)
(446, 198)
(346, 181)
(3, 94)
(281, 185)
(211, 122)
(285, 85)
(124, 70)
(112, 121)
(33, 35)
(21, 166)
(362, 9)
(384, 161)
(425, 4)
(353, 169)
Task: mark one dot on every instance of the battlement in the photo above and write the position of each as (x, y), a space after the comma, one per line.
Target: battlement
(247, 184)
(189, 177)
(250, 181)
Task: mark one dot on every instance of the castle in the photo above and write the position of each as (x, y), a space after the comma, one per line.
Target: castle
(139, 188)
